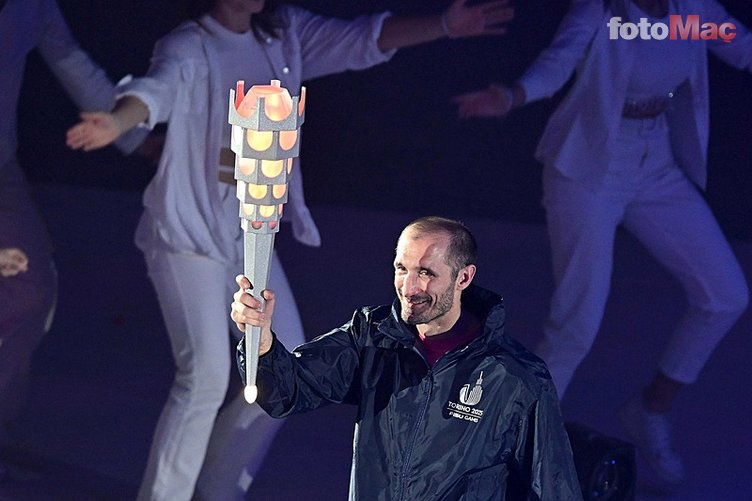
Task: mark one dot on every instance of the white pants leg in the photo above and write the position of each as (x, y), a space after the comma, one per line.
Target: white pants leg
(644, 189)
(677, 227)
(581, 227)
(195, 294)
(192, 293)
(244, 433)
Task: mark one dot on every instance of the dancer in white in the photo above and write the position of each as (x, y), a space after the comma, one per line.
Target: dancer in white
(628, 145)
(190, 231)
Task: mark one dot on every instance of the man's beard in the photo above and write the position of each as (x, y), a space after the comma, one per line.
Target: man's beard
(443, 304)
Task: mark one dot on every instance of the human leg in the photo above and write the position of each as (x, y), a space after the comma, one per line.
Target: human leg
(581, 225)
(676, 226)
(244, 433)
(192, 296)
(26, 299)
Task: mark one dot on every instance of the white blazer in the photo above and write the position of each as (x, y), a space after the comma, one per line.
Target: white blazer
(578, 139)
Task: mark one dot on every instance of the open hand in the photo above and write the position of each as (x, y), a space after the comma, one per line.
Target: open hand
(462, 20)
(494, 101)
(95, 130)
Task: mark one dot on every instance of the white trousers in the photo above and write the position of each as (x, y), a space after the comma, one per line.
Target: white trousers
(644, 190)
(194, 448)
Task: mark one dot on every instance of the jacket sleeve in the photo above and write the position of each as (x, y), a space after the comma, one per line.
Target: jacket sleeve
(330, 45)
(738, 51)
(84, 81)
(316, 373)
(177, 69)
(555, 65)
(544, 452)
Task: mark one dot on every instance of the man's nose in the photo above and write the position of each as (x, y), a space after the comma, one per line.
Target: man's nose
(411, 285)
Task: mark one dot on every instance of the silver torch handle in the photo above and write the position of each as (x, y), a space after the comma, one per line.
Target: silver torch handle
(257, 264)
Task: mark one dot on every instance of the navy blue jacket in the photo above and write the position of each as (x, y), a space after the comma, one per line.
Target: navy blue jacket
(482, 424)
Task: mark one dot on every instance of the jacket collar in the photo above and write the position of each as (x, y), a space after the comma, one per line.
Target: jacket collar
(486, 305)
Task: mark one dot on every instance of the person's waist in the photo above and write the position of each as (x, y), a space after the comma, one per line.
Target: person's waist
(649, 107)
(642, 126)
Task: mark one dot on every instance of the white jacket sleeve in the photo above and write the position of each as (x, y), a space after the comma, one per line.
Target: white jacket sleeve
(330, 45)
(738, 51)
(173, 73)
(555, 65)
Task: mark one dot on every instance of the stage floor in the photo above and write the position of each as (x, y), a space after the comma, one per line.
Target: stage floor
(103, 372)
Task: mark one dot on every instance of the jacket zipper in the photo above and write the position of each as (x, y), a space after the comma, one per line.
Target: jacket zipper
(411, 445)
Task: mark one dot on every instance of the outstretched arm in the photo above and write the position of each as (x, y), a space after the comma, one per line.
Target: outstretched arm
(98, 129)
(550, 71)
(737, 50)
(331, 45)
(458, 21)
(495, 101)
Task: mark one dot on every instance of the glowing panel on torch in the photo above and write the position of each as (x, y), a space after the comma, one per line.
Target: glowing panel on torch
(257, 191)
(246, 165)
(259, 140)
(266, 210)
(287, 139)
(272, 168)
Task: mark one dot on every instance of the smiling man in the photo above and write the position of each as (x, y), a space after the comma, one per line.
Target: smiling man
(449, 406)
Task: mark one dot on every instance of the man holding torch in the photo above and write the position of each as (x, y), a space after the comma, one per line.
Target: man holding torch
(449, 407)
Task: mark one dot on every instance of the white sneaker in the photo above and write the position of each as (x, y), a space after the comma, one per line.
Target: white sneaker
(651, 434)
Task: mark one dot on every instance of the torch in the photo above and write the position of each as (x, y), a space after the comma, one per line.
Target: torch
(265, 139)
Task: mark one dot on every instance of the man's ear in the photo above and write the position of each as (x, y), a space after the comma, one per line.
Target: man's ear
(465, 276)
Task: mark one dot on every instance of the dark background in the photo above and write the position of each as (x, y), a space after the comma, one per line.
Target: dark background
(388, 137)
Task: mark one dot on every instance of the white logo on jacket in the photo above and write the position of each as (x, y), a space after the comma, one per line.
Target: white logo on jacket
(469, 398)
(472, 397)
